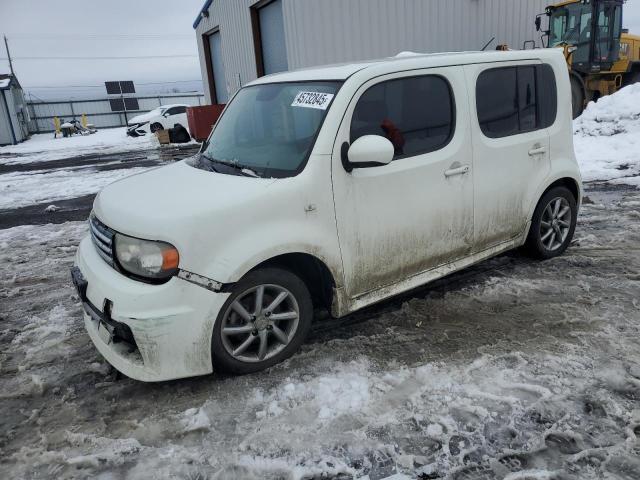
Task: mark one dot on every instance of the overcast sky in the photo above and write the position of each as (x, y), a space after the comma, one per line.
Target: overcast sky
(45, 30)
(93, 28)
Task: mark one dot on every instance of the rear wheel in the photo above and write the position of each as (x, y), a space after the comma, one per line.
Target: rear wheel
(577, 97)
(553, 224)
(155, 127)
(264, 321)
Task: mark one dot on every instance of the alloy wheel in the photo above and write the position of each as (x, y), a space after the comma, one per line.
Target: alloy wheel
(555, 223)
(260, 323)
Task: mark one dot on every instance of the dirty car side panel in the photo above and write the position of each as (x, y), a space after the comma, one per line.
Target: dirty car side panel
(398, 220)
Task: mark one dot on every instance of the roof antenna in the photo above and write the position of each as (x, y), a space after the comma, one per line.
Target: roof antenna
(487, 44)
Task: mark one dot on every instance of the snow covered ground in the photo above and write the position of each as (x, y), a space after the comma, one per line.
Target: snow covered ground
(26, 188)
(513, 369)
(43, 147)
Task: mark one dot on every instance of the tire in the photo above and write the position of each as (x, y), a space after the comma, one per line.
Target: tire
(544, 245)
(238, 351)
(577, 98)
(633, 77)
(155, 127)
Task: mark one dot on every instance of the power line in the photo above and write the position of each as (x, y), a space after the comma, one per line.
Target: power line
(131, 57)
(99, 35)
(102, 86)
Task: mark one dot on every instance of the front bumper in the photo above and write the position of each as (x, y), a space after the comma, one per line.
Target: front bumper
(170, 324)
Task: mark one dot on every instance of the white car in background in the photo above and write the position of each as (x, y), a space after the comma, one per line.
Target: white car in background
(163, 117)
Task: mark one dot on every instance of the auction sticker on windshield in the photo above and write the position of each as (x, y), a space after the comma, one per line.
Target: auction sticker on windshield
(317, 100)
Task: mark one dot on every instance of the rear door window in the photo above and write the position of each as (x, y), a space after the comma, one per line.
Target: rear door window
(415, 113)
(497, 102)
(513, 100)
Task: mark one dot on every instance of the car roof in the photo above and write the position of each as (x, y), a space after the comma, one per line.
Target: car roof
(174, 105)
(405, 61)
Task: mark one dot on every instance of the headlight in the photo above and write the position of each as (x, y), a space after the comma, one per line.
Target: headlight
(145, 258)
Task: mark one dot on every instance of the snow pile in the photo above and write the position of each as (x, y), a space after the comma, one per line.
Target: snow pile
(607, 138)
(43, 147)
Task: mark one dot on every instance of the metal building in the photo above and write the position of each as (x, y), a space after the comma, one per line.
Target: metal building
(14, 117)
(240, 40)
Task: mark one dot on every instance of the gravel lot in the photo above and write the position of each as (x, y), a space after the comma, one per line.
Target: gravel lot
(512, 369)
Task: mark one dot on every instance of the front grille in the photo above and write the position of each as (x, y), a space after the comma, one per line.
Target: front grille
(102, 237)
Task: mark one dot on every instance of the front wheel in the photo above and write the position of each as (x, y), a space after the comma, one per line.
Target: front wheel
(264, 321)
(553, 224)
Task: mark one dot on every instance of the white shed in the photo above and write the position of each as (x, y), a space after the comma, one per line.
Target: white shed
(14, 116)
(240, 40)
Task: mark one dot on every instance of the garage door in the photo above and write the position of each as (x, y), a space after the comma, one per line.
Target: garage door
(274, 48)
(219, 81)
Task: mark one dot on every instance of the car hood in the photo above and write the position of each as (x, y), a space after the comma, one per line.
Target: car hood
(168, 203)
(144, 117)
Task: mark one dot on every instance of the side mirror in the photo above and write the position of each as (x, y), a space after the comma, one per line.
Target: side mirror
(370, 150)
(538, 23)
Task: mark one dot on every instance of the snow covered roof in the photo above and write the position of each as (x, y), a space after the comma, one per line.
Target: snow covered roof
(6, 80)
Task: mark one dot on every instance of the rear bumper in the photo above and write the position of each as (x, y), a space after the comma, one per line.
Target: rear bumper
(171, 324)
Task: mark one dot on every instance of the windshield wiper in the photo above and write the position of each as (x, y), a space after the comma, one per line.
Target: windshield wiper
(244, 169)
(210, 162)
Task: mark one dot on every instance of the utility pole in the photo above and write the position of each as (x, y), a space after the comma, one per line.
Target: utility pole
(6, 46)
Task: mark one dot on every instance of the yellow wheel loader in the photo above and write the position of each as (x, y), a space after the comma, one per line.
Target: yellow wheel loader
(601, 56)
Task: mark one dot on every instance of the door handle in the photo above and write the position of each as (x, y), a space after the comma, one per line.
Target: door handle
(537, 150)
(456, 171)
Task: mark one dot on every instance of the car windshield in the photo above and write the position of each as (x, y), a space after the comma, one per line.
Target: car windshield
(269, 130)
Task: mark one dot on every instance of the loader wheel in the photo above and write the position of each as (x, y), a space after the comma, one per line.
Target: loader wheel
(577, 98)
(633, 77)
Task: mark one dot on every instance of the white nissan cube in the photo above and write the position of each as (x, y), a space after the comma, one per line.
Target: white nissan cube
(328, 188)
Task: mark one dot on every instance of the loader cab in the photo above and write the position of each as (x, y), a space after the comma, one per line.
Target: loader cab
(592, 28)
